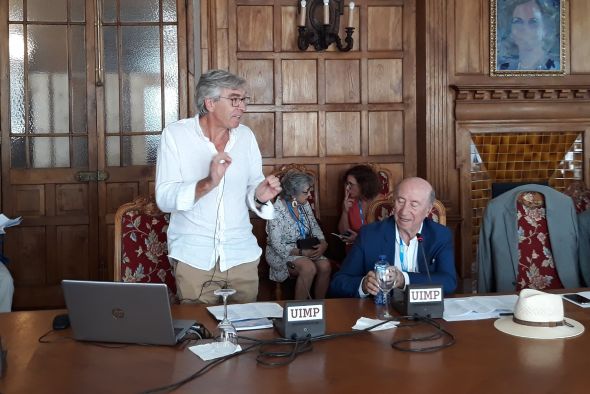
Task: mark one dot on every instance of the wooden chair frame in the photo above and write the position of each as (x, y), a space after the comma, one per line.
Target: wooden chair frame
(376, 204)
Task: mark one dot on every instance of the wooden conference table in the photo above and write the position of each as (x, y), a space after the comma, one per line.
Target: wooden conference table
(483, 360)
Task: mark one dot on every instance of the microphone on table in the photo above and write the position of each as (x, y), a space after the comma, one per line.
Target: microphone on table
(420, 239)
(424, 300)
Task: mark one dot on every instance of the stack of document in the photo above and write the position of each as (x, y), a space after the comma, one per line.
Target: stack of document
(250, 316)
(479, 307)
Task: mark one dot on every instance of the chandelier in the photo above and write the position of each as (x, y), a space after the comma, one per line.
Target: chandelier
(319, 22)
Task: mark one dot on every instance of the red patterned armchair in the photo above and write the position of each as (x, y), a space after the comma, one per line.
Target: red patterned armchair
(386, 180)
(579, 194)
(536, 268)
(141, 251)
(382, 208)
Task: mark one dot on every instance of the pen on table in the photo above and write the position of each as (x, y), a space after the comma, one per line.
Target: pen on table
(506, 314)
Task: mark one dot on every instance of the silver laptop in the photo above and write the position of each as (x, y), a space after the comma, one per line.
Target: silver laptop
(122, 312)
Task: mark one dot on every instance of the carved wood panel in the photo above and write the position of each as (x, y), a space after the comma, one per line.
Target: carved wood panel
(328, 109)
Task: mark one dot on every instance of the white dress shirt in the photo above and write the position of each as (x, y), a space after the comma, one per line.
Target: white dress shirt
(217, 225)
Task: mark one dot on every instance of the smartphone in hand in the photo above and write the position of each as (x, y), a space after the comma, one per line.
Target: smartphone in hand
(342, 236)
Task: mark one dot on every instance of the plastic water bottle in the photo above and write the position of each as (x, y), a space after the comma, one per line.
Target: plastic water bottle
(380, 297)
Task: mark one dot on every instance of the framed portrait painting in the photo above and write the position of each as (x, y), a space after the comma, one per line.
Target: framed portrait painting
(528, 37)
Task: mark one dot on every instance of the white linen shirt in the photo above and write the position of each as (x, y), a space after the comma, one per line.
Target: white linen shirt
(217, 225)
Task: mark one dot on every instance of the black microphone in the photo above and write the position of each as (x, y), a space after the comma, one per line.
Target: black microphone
(420, 239)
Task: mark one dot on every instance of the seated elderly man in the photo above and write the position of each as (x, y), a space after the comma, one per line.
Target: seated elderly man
(397, 238)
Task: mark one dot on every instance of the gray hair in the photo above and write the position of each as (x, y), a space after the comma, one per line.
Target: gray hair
(293, 183)
(210, 85)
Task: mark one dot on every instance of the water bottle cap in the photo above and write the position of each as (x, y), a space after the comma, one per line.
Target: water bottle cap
(382, 257)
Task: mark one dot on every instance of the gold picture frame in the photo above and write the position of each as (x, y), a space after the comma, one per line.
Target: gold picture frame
(528, 37)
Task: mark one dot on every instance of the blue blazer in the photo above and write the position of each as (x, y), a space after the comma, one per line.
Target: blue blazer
(379, 238)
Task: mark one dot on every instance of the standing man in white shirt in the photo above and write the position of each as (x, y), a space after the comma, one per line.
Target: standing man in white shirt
(209, 172)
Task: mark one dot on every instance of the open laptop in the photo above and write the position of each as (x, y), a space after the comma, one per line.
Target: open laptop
(122, 312)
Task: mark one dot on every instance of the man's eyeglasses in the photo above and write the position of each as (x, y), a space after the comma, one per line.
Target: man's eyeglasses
(235, 101)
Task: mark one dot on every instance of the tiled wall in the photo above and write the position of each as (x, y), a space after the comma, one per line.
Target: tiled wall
(553, 157)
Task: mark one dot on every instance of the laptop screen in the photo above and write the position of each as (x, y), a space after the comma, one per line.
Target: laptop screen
(121, 312)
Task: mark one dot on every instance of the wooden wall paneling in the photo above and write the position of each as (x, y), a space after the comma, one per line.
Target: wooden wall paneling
(321, 101)
(119, 193)
(205, 44)
(27, 241)
(463, 152)
(288, 29)
(184, 58)
(344, 87)
(385, 80)
(386, 133)
(343, 133)
(190, 54)
(255, 28)
(71, 244)
(300, 134)
(469, 54)
(409, 92)
(263, 126)
(222, 44)
(29, 200)
(259, 75)
(387, 34)
(299, 81)
(579, 28)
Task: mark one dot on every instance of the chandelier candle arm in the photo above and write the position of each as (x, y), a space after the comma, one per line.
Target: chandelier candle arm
(302, 13)
(319, 23)
(350, 13)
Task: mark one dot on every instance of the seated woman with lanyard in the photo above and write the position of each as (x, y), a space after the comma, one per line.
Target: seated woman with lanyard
(295, 243)
(361, 186)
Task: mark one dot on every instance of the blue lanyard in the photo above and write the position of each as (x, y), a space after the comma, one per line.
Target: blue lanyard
(402, 255)
(361, 212)
(300, 222)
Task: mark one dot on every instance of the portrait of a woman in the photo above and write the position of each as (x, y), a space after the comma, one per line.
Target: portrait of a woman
(528, 35)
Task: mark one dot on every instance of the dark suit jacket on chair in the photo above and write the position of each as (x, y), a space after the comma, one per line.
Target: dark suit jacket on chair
(379, 238)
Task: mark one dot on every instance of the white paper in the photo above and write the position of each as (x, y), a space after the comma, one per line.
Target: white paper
(584, 294)
(478, 307)
(213, 350)
(253, 310)
(365, 322)
(6, 222)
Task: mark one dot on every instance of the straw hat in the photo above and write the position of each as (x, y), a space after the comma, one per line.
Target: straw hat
(539, 315)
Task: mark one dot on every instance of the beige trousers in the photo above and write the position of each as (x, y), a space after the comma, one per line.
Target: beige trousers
(196, 285)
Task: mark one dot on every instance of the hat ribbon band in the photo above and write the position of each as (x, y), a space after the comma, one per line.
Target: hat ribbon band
(539, 324)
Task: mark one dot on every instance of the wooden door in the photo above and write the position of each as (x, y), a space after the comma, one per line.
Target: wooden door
(82, 105)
